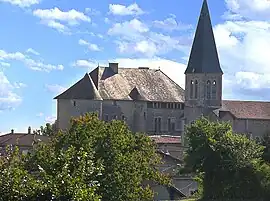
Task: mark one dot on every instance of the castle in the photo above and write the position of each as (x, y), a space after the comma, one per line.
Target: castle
(149, 101)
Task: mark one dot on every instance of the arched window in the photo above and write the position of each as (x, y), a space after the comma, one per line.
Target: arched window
(214, 89)
(196, 89)
(208, 89)
(191, 89)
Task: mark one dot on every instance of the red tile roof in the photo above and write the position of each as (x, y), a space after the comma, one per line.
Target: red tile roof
(166, 139)
(247, 109)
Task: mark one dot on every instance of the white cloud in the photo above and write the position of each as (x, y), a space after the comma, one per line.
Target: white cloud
(133, 9)
(252, 9)
(8, 97)
(18, 85)
(40, 114)
(4, 64)
(28, 61)
(50, 119)
(22, 3)
(130, 28)
(135, 37)
(55, 88)
(32, 51)
(92, 11)
(85, 64)
(244, 44)
(170, 24)
(60, 20)
(90, 46)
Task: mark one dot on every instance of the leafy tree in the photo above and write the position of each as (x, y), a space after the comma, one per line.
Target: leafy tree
(227, 162)
(16, 182)
(47, 130)
(265, 141)
(91, 161)
(128, 159)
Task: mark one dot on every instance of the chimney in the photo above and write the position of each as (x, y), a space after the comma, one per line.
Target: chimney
(29, 130)
(12, 131)
(114, 67)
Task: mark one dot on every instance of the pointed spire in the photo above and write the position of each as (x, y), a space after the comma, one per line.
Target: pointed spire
(204, 57)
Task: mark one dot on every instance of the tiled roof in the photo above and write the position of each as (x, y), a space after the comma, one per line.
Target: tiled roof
(204, 56)
(166, 139)
(247, 109)
(127, 84)
(83, 89)
(20, 139)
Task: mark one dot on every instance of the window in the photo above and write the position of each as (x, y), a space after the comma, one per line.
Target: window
(214, 89)
(74, 103)
(191, 89)
(208, 89)
(149, 104)
(156, 105)
(157, 124)
(106, 117)
(123, 118)
(171, 124)
(196, 89)
(144, 115)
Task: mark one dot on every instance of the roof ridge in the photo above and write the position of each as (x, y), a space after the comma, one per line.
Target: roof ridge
(257, 101)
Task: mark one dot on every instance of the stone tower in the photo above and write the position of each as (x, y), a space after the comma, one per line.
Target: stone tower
(203, 91)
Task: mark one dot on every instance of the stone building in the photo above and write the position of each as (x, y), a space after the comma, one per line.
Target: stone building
(149, 101)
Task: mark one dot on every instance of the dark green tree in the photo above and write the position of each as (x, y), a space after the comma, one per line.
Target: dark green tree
(227, 162)
(265, 141)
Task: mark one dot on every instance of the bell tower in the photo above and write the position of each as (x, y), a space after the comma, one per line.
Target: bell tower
(203, 75)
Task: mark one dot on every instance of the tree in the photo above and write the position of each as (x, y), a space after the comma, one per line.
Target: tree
(47, 173)
(265, 141)
(47, 130)
(91, 161)
(227, 162)
(128, 159)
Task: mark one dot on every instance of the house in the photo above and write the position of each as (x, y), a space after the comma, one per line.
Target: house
(24, 141)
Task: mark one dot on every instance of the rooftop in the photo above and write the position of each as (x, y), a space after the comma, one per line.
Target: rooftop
(125, 84)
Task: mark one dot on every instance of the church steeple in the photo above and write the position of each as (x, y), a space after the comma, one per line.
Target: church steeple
(204, 57)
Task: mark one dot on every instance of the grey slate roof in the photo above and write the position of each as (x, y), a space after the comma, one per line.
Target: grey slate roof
(83, 89)
(127, 84)
(204, 57)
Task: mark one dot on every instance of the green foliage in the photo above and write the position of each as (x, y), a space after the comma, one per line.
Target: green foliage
(128, 159)
(47, 130)
(91, 161)
(265, 141)
(228, 162)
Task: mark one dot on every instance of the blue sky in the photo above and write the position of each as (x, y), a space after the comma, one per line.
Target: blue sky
(47, 45)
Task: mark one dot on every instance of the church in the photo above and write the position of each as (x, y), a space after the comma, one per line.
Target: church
(150, 102)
